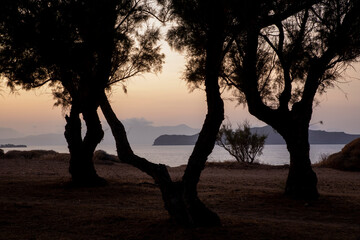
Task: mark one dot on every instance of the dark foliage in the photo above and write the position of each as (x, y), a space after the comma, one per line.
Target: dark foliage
(277, 56)
(80, 48)
(32, 154)
(241, 143)
(348, 159)
(278, 69)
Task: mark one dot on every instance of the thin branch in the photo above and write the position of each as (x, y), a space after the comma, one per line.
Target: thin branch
(163, 21)
(270, 43)
(33, 85)
(132, 10)
(293, 9)
(267, 79)
(123, 78)
(226, 49)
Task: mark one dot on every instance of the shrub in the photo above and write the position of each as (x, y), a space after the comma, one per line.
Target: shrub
(2, 153)
(241, 143)
(28, 154)
(347, 159)
(103, 157)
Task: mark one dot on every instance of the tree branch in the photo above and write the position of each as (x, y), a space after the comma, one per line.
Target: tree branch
(33, 85)
(132, 10)
(291, 10)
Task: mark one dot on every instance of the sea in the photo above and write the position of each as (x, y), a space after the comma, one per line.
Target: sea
(174, 156)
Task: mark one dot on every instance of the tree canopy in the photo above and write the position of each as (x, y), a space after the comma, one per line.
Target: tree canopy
(303, 53)
(58, 41)
(278, 69)
(80, 48)
(276, 55)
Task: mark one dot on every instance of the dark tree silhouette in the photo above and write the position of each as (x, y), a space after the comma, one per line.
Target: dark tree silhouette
(242, 18)
(41, 46)
(74, 45)
(203, 31)
(87, 73)
(180, 198)
(278, 70)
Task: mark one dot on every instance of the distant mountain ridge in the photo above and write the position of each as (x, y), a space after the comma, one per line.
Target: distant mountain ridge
(139, 131)
(315, 137)
(9, 133)
(37, 140)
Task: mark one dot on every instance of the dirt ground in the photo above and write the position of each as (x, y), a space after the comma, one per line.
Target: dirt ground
(37, 202)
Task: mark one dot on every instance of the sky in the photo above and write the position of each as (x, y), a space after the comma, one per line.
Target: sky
(165, 100)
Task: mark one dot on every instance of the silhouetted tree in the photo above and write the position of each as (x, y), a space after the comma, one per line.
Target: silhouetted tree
(205, 29)
(241, 17)
(180, 198)
(202, 30)
(74, 45)
(41, 46)
(278, 69)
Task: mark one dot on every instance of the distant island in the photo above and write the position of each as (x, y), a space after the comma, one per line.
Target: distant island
(176, 140)
(315, 137)
(12, 146)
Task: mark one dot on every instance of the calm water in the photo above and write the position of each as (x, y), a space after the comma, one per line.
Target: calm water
(178, 155)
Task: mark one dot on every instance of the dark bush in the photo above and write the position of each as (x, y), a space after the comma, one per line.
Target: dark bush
(241, 143)
(12, 154)
(347, 159)
(102, 157)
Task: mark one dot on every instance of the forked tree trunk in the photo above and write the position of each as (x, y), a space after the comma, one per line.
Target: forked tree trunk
(81, 167)
(180, 198)
(302, 180)
(291, 125)
(182, 211)
(207, 136)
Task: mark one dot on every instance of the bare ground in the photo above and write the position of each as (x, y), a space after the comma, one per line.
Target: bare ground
(37, 202)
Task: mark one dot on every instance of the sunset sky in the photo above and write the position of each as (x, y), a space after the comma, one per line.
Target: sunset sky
(164, 99)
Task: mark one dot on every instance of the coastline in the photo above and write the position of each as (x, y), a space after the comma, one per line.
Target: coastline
(8, 145)
(178, 155)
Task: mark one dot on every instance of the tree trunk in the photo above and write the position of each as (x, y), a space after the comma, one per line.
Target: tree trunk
(214, 117)
(302, 180)
(81, 167)
(180, 198)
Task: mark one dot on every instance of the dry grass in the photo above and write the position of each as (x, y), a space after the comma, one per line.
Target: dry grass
(103, 157)
(12, 154)
(37, 203)
(100, 156)
(243, 165)
(348, 159)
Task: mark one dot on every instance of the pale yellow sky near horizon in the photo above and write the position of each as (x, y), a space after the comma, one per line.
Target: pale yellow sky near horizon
(164, 99)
